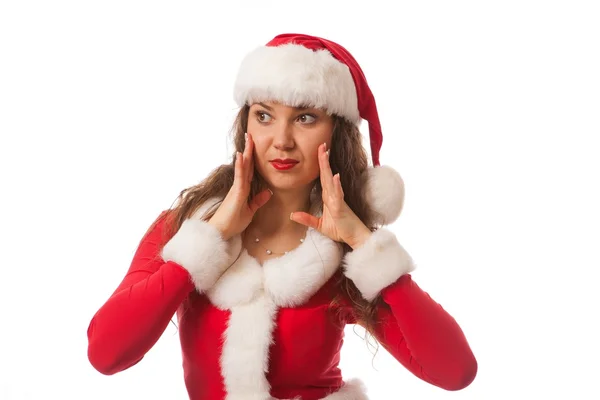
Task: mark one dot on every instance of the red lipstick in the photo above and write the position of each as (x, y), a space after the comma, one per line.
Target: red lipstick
(284, 164)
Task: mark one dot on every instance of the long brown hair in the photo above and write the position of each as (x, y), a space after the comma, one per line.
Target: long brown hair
(347, 156)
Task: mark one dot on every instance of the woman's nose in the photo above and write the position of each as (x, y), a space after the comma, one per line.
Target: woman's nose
(284, 136)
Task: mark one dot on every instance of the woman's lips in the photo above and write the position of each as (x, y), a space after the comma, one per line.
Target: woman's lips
(284, 165)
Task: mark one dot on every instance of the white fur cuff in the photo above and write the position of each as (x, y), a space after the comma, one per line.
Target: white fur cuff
(199, 248)
(378, 263)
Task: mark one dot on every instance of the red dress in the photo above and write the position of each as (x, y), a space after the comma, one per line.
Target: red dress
(271, 332)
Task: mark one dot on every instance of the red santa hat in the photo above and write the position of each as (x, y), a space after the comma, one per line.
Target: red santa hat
(303, 70)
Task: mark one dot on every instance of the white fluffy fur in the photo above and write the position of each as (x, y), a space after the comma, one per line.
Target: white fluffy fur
(297, 76)
(245, 357)
(293, 279)
(384, 189)
(354, 389)
(378, 263)
(240, 284)
(288, 281)
(253, 294)
(199, 248)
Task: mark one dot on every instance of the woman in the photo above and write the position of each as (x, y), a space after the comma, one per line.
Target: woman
(268, 259)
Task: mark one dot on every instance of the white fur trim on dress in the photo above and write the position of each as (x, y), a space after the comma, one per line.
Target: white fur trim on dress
(297, 76)
(253, 294)
(294, 279)
(288, 281)
(378, 263)
(354, 389)
(239, 285)
(384, 192)
(245, 356)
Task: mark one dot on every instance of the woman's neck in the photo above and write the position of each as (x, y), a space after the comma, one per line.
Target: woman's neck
(274, 216)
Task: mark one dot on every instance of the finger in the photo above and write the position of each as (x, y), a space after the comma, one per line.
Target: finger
(305, 219)
(260, 200)
(325, 168)
(251, 171)
(250, 144)
(247, 157)
(237, 176)
(337, 183)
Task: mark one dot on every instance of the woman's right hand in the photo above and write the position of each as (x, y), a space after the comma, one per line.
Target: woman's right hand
(235, 212)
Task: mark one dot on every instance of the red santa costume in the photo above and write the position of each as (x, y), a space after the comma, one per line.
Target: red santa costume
(258, 332)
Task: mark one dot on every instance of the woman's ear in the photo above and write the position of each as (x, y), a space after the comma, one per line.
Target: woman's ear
(384, 192)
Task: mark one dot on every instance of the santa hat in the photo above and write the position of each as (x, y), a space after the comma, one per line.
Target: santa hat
(302, 70)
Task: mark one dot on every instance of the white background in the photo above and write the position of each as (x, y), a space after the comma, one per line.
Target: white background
(490, 111)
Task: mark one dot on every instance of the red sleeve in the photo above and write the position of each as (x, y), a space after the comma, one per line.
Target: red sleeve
(423, 337)
(138, 312)
(410, 325)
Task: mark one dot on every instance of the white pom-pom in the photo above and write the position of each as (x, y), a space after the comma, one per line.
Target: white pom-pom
(384, 191)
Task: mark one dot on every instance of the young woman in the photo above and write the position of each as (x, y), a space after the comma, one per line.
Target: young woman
(269, 258)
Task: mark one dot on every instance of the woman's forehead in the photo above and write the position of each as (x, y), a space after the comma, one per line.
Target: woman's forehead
(278, 106)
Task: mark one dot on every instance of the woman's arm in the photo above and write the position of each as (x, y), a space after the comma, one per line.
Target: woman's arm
(132, 320)
(411, 326)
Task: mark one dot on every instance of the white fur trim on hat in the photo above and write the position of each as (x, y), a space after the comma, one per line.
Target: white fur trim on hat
(377, 263)
(297, 76)
(384, 192)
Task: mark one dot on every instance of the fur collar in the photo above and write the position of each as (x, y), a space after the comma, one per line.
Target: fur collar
(289, 280)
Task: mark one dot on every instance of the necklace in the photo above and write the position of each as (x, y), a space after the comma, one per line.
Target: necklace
(269, 251)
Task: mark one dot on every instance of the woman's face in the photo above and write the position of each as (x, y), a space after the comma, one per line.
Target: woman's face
(286, 143)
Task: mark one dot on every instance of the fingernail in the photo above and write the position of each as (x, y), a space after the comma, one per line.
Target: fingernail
(327, 152)
(291, 215)
(246, 136)
(270, 191)
(325, 146)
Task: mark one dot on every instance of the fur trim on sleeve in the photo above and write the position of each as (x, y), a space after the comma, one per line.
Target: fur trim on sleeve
(199, 248)
(378, 263)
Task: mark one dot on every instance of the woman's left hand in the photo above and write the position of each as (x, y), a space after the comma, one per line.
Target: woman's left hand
(338, 221)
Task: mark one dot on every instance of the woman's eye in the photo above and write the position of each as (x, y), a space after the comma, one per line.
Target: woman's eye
(307, 118)
(263, 117)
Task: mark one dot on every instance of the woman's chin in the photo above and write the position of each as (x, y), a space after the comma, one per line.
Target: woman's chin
(287, 183)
